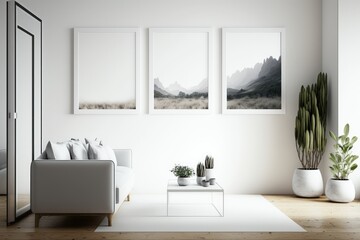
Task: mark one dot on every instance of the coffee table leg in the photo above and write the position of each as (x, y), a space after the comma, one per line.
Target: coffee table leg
(214, 205)
(223, 198)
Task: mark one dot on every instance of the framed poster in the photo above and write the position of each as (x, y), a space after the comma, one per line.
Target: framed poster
(180, 70)
(253, 70)
(106, 70)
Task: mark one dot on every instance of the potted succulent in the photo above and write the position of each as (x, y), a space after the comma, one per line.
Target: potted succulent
(200, 173)
(209, 167)
(183, 173)
(340, 188)
(310, 128)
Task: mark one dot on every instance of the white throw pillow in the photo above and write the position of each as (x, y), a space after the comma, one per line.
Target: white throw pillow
(57, 151)
(78, 151)
(111, 154)
(97, 152)
(100, 152)
(72, 140)
(96, 141)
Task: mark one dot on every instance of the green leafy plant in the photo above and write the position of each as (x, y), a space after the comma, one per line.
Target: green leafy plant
(310, 123)
(200, 170)
(343, 161)
(182, 171)
(209, 162)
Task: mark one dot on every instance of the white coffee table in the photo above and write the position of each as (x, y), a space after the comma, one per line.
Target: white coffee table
(173, 187)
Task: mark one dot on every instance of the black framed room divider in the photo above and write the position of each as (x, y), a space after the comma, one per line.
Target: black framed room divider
(24, 105)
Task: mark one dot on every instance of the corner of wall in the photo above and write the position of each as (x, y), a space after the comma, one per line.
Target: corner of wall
(330, 65)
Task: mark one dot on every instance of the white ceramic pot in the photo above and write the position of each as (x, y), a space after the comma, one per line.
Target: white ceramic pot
(342, 191)
(209, 173)
(199, 180)
(307, 183)
(183, 181)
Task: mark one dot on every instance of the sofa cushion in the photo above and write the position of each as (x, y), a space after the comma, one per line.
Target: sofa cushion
(95, 141)
(78, 151)
(124, 182)
(111, 154)
(97, 152)
(57, 151)
(123, 174)
(100, 152)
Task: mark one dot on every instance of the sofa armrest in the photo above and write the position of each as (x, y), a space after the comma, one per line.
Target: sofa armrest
(72, 186)
(123, 157)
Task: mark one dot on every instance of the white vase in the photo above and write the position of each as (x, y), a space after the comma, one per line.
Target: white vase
(307, 183)
(342, 191)
(209, 173)
(183, 181)
(199, 180)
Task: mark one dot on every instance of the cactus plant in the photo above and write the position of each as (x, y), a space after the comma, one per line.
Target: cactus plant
(200, 170)
(209, 162)
(310, 123)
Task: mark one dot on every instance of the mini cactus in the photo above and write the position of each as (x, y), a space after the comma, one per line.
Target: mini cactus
(200, 170)
(310, 123)
(209, 162)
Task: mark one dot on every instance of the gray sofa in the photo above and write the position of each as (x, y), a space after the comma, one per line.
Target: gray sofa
(80, 187)
(2, 172)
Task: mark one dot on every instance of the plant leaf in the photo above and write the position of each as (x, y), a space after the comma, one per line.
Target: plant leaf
(346, 130)
(353, 167)
(333, 136)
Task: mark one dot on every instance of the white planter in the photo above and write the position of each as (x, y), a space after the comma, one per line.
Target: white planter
(209, 173)
(307, 183)
(183, 181)
(199, 180)
(342, 191)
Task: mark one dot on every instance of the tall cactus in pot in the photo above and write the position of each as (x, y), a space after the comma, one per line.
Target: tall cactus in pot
(310, 123)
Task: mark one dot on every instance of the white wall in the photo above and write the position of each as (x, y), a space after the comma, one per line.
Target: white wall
(330, 66)
(349, 74)
(253, 153)
(2, 74)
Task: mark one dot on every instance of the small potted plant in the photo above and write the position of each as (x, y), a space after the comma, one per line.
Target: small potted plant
(340, 188)
(200, 173)
(183, 173)
(209, 167)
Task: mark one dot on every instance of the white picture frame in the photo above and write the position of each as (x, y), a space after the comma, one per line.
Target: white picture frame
(180, 62)
(247, 88)
(106, 70)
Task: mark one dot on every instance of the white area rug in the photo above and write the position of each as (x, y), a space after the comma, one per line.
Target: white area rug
(243, 213)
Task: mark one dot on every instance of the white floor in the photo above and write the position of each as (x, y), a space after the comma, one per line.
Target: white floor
(243, 213)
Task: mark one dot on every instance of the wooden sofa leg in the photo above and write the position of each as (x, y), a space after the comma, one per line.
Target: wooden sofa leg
(128, 198)
(37, 220)
(109, 216)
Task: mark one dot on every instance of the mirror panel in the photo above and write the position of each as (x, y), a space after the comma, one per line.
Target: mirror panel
(24, 117)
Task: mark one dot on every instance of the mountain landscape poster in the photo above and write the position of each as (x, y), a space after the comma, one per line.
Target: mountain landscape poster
(253, 72)
(179, 70)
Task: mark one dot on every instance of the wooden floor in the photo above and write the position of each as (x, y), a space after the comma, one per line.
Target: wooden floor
(320, 218)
